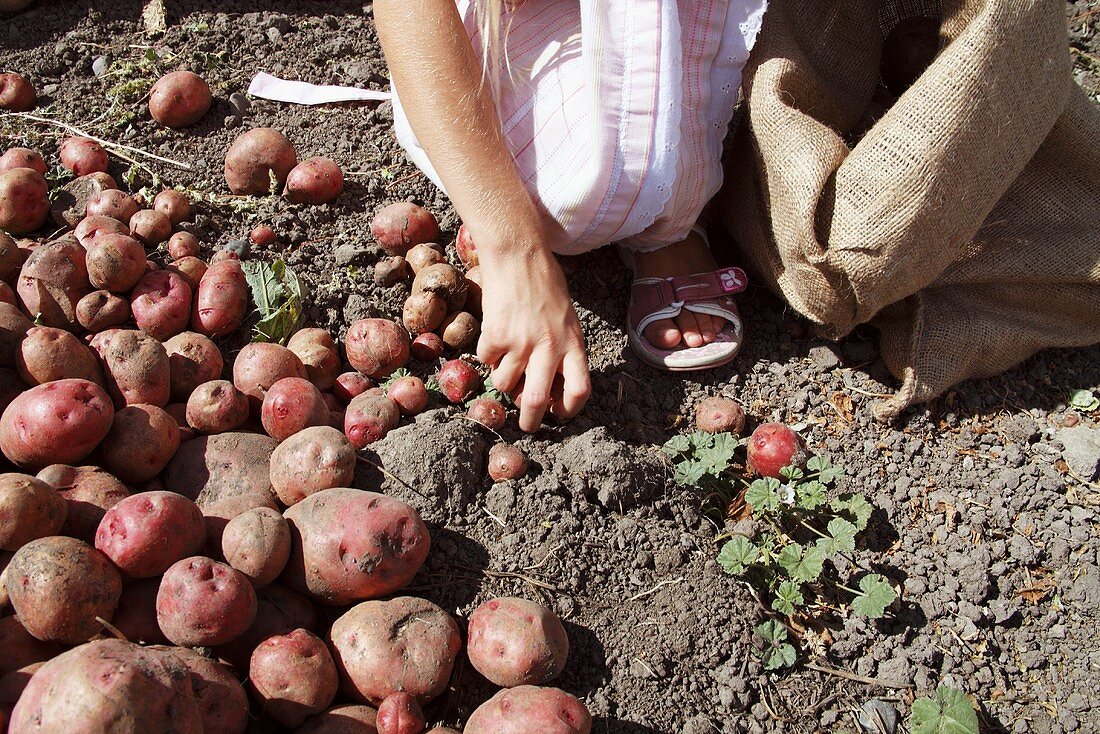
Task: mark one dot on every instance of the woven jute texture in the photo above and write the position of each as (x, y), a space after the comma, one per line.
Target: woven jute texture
(964, 224)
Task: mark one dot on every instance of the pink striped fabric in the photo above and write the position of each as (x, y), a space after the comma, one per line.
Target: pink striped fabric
(615, 111)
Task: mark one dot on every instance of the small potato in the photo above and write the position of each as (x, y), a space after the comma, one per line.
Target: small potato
(53, 280)
(489, 412)
(146, 533)
(212, 468)
(425, 254)
(369, 418)
(257, 543)
(115, 262)
(410, 394)
(426, 347)
(112, 203)
(101, 310)
(60, 421)
(223, 703)
(350, 384)
(260, 365)
(179, 99)
(23, 158)
(216, 407)
(529, 709)
(291, 405)
(423, 312)
(515, 642)
(48, 354)
(136, 615)
(24, 204)
(82, 156)
(319, 354)
(173, 204)
(136, 367)
(58, 586)
(192, 360)
(400, 226)
(506, 462)
(203, 602)
(183, 244)
(279, 611)
(467, 250)
(221, 302)
(16, 93)
(473, 290)
(345, 719)
(91, 227)
(376, 347)
(351, 545)
(262, 235)
(29, 509)
(11, 259)
(150, 227)
(89, 491)
(311, 460)
(255, 158)
(443, 280)
(399, 713)
(717, 414)
(314, 181)
(292, 676)
(460, 331)
(192, 270)
(390, 271)
(217, 515)
(458, 380)
(404, 644)
(140, 443)
(161, 304)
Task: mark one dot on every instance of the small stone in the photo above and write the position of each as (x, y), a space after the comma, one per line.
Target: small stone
(240, 104)
(241, 247)
(349, 254)
(100, 65)
(878, 717)
(1081, 450)
(825, 358)
(274, 36)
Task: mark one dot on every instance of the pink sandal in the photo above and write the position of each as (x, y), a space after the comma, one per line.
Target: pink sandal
(653, 299)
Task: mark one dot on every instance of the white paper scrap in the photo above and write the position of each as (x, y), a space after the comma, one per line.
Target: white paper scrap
(283, 90)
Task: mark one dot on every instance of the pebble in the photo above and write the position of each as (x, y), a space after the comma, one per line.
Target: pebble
(240, 104)
(350, 254)
(100, 65)
(1081, 450)
(824, 357)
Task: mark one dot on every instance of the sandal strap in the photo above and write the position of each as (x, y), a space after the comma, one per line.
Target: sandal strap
(653, 299)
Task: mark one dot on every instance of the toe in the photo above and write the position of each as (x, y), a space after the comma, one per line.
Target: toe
(662, 334)
(689, 327)
(708, 327)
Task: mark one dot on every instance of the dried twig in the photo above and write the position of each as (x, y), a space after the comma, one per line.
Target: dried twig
(391, 475)
(655, 589)
(115, 147)
(858, 678)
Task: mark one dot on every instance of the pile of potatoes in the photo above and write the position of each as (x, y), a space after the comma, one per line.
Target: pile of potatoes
(166, 533)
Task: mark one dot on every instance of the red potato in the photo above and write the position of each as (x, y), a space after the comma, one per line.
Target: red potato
(217, 515)
(458, 380)
(115, 262)
(21, 648)
(23, 158)
(24, 204)
(404, 644)
(255, 158)
(516, 642)
(179, 99)
(216, 407)
(110, 686)
(376, 347)
(150, 227)
(369, 417)
(48, 354)
(262, 235)
(279, 611)
(142, 439)
(178, 411)
(423, 312)
(460, 330)
(345, 719)
(136, 367)
(489, 412)
(29, 509)
(223, 703)
(16, 93)
(221, 302)
(311, 460)
(318, 352)
(350, 384)
(400, 226)
(93, 226)
(161, 304)
(445, 281)
(58, 586)
(720, 415)
(529, 709)
(260, 365)
(314, 181)
(426, 347)
(136, 614)
(213, 468)
(467, 250)
(390, 271)
(146, 533)
(421, 256)
(174, 205)
(7, 295)
(506, 462)
(112, 203)
(351, 545)
(203, 602)
(183, 244)
(292, 676)
(773, 446)
(399, 713)
(102, 310)
(225, 254)
(473, 290)
(257, 543)
(60, 421)
(192, 270)
(53, 280)
(11, 259)
(409, 393)
(192, 360)
(82, 156)
(89, 492)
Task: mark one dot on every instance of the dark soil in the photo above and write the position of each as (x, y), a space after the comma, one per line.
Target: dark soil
(989, 535)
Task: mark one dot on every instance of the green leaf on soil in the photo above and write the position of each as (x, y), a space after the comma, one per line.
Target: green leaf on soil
(777, 653)
(763, 495)
(791, 473)
(718, 456)
(842, 537)
(875, 595)
(950, 712)
(278, 298)
(678, 444)
(811, 495)
(688, 473)
(855, 506)
(817, 463)
(787, 597)
(737, 555)
(1084, 400)
(803, 564)
(780, 656)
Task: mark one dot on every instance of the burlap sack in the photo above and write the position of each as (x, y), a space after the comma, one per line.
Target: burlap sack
(965, 224)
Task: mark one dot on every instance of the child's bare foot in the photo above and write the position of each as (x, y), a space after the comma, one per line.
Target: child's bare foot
(684, 258)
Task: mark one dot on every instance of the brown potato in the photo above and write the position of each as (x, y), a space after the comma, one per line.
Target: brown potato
(11, 259)
(255, 157)
(191, 269)
(89, 491)
(150, 227)
(71, 202)
(91, 227)
(13, 327)
(112, 203)
(311, 460)
(399, 226)
(260, 365)
(376, 347)
(183, 244)
(29, 509)
(425, 254)
(53, 280)
(115, 262)
(136, 367)
(444, 280)
(318, 352)
(173, 204)
(193, 359)
(24, 204)
(100, 310)
(257, 543)
(23, 158)
(212, 468)
(141, 441)
(179, 99)
(460, 330)
(216, 407)
(49, 354)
